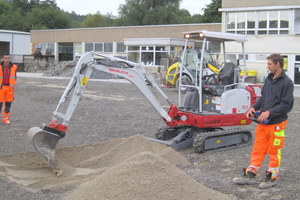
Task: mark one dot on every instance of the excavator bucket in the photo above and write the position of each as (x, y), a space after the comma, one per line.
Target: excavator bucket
(44, 143)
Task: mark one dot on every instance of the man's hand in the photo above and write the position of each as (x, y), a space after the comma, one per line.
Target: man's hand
(250, 113)
(263, 116)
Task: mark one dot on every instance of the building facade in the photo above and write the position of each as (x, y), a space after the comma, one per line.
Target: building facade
(271, 26)
(151, 45)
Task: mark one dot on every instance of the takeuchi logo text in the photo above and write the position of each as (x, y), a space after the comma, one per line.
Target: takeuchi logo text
(117, 71)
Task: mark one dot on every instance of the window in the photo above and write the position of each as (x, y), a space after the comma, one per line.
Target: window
(50, 49)
(284, 19)
(251, 18)
(150, 55)
(99, 47)
(46, 48)
(231, 21)
(108, 47)
(121, 47)
(260, 22)
(241, 20)
(89, 47)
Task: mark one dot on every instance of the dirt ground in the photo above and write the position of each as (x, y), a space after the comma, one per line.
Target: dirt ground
(108, 124)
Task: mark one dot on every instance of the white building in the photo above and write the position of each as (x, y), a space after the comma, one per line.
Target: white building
(271, 27)
(15, 43)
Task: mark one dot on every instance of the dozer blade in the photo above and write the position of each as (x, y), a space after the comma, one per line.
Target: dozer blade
(44, 143)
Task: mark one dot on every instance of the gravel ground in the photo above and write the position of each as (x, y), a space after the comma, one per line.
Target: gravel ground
(112, 110)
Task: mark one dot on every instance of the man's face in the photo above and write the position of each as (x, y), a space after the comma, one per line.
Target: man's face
(6, 60)
(273, 67)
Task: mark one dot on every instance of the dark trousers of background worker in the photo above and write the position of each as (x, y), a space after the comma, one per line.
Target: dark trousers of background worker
(6, 99)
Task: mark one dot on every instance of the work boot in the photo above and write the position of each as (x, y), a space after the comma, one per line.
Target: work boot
(268, 182)
(249, 178)
(6, 120)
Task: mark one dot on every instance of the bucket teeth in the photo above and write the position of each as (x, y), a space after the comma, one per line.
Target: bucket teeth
(44, 144)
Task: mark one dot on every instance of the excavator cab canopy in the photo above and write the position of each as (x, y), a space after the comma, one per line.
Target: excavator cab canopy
(215, 36)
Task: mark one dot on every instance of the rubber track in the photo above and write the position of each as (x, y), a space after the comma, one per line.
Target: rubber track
(198, 143)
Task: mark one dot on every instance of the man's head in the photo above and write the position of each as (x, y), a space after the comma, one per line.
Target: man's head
(275, 63)
(6, 59)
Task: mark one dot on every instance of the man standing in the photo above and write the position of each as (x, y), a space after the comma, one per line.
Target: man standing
(8, 72)
(271, 108)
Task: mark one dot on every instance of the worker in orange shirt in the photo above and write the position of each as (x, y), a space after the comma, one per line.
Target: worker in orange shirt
(8, 77)
(270, 111)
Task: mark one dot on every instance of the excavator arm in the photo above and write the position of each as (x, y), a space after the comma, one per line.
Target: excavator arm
(45, 138)
(131, 71)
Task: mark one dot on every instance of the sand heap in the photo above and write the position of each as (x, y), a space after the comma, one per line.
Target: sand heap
(129, 169)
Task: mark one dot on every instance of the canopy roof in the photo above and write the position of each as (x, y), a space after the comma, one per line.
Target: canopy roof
(215, 36)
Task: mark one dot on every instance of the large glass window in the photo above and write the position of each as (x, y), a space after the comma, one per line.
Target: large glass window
(108, 47)
(134, 56)
(47, 49)
(150, 55)
(262, 23)
(89, 46)
(231, 20)
(65, 51)
(241, 20)
(147, 58)
(251, 20)
(284, 19)
(259, 22)
(50, 49)
(273, 19)
(121, 47)
(99, 47)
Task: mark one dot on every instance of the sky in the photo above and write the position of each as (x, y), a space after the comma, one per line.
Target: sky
(84, 7)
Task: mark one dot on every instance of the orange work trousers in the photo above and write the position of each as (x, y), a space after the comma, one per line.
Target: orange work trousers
(6, 94)
(269, 139)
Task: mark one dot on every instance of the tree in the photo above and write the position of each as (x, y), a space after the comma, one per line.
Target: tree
(198, 18)
(148, 12)
(10, 19)
(39, 18)
(98, 20)
(76, 19)
(95, 20)
(211, 12)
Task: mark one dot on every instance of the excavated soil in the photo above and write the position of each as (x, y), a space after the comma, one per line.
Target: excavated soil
(105, 154)
(122, 168)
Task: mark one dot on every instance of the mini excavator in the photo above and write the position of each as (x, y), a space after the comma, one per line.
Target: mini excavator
(214, 102)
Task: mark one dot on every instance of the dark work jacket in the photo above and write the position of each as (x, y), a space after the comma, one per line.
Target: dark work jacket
(277, 97)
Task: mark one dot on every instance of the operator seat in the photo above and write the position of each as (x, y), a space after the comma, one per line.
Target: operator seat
(226, 74)
(225, 77)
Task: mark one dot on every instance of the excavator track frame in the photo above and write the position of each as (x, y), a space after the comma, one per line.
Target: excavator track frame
(221, 139)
